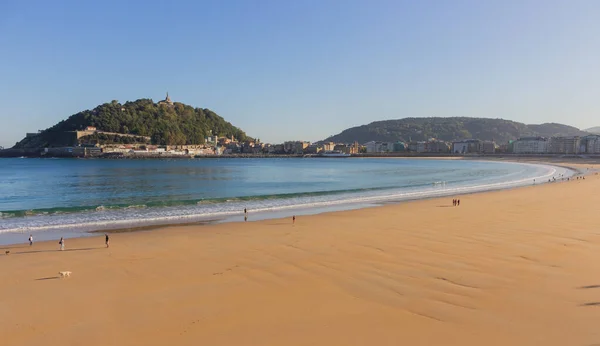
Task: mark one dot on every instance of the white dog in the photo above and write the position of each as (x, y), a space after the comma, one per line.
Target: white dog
(64, 274)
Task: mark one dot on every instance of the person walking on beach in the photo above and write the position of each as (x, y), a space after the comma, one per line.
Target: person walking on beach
(458, 202)
(30, 240)
(293, 219)
(454, 202)
(107, 240)
(62, 243)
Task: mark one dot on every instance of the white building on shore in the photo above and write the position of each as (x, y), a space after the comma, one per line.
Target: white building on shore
(467, 146)
(564, 145)
(530, 145)
(373, 147)
(590, 144)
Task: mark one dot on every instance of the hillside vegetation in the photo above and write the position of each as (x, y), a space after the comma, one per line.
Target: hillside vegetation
(177, 124)
(450, 129)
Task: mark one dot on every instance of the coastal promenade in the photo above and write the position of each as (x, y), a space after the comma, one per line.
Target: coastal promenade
(513, 267)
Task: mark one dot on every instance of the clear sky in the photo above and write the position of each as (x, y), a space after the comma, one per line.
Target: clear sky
(285, 70)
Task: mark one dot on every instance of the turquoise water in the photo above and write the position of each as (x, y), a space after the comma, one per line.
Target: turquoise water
(72, 196)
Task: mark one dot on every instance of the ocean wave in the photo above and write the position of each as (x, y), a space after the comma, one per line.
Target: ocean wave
(123, 215)
(176, 203)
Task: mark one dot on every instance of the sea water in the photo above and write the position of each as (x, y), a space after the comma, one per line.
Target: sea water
(50, 198)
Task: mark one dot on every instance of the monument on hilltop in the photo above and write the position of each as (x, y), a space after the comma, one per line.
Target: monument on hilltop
(167, 101)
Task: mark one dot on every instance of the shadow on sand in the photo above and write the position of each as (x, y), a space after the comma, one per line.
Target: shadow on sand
(48, 278)
(17, 247)
(588, 287)
(66, 250)
(591, 304)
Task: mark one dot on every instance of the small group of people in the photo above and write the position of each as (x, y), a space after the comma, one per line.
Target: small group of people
(456, 202)
(61, 242)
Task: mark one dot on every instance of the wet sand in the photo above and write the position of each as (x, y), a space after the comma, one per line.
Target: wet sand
(515, 267)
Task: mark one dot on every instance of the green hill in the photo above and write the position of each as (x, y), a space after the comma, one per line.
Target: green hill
(557, 130)
(165, 124)
(450, 129)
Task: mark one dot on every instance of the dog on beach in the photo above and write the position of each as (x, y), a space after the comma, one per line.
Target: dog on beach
(64, 274)
(7, 252)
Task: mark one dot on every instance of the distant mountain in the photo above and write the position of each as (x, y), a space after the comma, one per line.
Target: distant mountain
(165, 122)
(595, 130)
(450, 129)
(556, 130)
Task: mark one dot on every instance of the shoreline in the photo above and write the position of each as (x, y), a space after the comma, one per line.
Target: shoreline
(235, 218)
(503, 268)
(54, 232)
(232, 221)
(577, 172)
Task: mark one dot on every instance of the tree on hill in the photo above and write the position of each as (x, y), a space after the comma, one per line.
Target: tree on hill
(178, 124)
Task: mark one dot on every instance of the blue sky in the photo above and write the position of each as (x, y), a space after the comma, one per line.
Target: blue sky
(284, 70)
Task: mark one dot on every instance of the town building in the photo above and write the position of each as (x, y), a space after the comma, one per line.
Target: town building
(313, 149)
(436, 146)
(275, 149)
(210, 139)
(417, 147)
(590, 144)
(328, 146)
(250, 147)
(564, 145)
(223, 141)
(431, 146)
(378, 147)
(354, 148)
(373, 147)
(488, 147)
(342, 148)
(468, 146)
(530, 145)
(295, 147)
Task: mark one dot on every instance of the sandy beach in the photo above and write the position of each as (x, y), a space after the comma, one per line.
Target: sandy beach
(515, 267)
